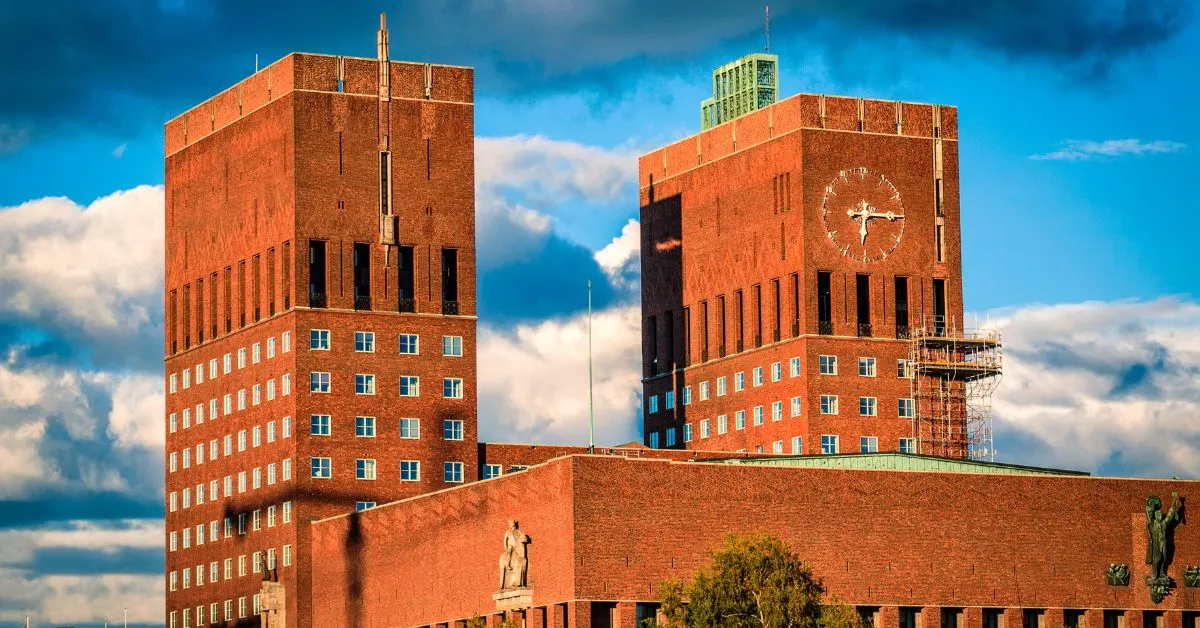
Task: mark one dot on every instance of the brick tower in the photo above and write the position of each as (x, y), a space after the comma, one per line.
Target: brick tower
(320, 333)
(791, 258)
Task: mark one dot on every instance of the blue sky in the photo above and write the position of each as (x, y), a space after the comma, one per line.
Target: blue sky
(1077, 161)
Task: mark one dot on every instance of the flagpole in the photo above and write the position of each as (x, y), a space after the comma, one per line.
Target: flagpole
(591, 412)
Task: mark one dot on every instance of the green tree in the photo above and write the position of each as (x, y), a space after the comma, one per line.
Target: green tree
(753, 581)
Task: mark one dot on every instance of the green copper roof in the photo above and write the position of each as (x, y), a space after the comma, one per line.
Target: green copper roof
(896, 462)
(741, 87)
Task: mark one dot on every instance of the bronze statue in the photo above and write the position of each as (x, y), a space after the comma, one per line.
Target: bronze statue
(1158, 544)
(514, 562)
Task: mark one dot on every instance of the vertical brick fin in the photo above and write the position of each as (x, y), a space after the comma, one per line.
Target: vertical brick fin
(428, 81)
(428, 120)
(899, 118)
(699, 150)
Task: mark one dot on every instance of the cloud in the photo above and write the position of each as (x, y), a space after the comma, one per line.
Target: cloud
(1112, 388)
(621, 258)
(123, 60)
(1083, 150)
(89, 276)
(541, 394)
(550, 170)
(119, 151)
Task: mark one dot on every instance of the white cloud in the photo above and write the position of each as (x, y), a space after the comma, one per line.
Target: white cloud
(97, 268)
(1082, 150)
(1109, 387)
(533, 385)
(621, 258)
(62, 600)
(554, 169)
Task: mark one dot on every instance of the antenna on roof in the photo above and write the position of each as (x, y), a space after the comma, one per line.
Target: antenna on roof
(256, 63)
(383, 37)
(767, 26)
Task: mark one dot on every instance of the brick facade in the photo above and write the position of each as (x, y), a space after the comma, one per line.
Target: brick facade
(287, 157)
(734, 234)
(606, 530)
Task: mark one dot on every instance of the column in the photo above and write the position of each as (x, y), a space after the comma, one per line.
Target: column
(889, 616)
(626, 615)
(931, 617)
(1173, 619)
(1013, 618)
(973, 617)
(1053, 617)
(579, 614)
(537, 618)
(1093, 618)
(1133, 619)
(558, 616)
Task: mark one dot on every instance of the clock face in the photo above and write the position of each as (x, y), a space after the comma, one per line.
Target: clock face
(863, 214)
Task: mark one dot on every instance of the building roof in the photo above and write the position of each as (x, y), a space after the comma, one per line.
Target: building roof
(896, 462)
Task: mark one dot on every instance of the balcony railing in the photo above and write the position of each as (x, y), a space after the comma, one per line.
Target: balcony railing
(903, 332)
(825, 328)
(864, 330)
(408, 305)
(362, 302)
(317, 299)
(450, 308)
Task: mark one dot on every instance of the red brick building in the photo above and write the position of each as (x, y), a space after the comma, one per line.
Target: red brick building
(320, 295)
(789, 257)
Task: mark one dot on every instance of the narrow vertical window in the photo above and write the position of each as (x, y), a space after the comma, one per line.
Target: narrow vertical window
(450, 281)
(939, 307)
(741, 323)
(187, 317)
(652, 345)
(172, 330)
(862, 284)
(242, 293)
(200, 311)
(362, 276)
(228, 299)
(212, 303)
(385, 187)
(255, 267)
(795, 304)
(777, 302)
(901, 299)
(339, 142)
(704, 331)
(687, 335)
(405, 271)
(271, 282)
(316, 274)
(941, 243)
(428, 159)
(721, 326)
(758, 326)
(287, 276)
(669, 326)
(824, 303)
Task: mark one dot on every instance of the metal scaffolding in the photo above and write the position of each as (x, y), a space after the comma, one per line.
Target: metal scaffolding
(954, 373)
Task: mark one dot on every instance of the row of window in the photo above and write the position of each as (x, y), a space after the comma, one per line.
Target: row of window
(365, 469)
(215, 446)
(364, 342)
(828, 365)
(285, 346)
(195, 416)
(261, 561)
(197, 498)
(364, 384)
(217, 532)
(830, 443)
(365, 427)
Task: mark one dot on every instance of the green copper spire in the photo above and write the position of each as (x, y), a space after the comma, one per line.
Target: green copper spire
(740, 87)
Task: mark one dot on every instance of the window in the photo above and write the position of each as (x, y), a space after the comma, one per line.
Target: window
(187, 379)
(241, 607)
(228, 445)
(318, 339)
(828, 364)
(187, 418)
(364, 384)
(256, 353)
(908, 445)
(213, 409)
(242, 573)
(287, 512)
(777, 447)
(174, 382)
(227, 364)
(174, 585)
(492, 471)
(410, 386)
(285, 384)
(758, 415)
(797, 445)
(410, 470)
(241, 440)
(687, 395)
(452, 429)
(174, 459)
(364, 341)
(241, 481)
(722, 424)
(256, 439)
(703, 391)
(174, 541)
(653, 440)
(286, 341)
(241, 358)
(758, 376)
(319, 425)
(270, 431)
(410, 344)
(868, 444)
(739, 420)
(241, 403)
(228, 486)
(904, 369)
(776, 410)
(271, 474)
(829, 444)
(364, 426)
(452, 388)
(776, 371)
(652, 404)
(187, 458)
(905, 409)
(829, 404)
(187, 538)
(452, 346)
(739, 381)
(687, 432)
(866, 367)
(256, 561)
(287, 469)
(361, 506)
(228, 403)
(322, 468)
(364, 469)
(704, 429)
(794, 367)
(287, 555)
(670, 437)
(256, 520)
(257, 477)
(452, 472)
(796, 406)
(199, 373)
(318, 382)
(270, 347)
(669, 396)
(174, 422)
(721, 386)
(868, 406)
(410, 428)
